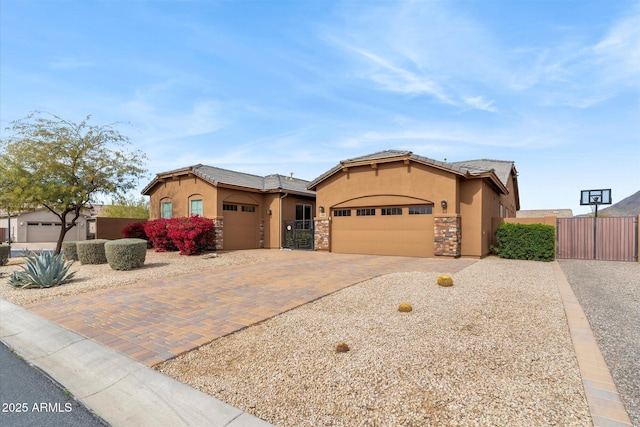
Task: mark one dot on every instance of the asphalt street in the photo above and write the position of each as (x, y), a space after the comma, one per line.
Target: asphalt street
(28, 398)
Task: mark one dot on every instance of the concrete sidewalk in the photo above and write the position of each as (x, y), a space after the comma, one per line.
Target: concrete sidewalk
(119, 390)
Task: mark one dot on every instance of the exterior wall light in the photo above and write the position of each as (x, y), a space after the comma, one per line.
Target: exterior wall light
(321, 209)
(443, 204)
(269, 211)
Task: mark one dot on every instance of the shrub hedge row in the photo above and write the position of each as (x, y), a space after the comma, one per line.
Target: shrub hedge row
(525, 241)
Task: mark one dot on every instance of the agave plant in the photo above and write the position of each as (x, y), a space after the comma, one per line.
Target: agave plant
(43, 270)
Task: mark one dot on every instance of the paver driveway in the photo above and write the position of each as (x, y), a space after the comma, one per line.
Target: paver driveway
(156, 320)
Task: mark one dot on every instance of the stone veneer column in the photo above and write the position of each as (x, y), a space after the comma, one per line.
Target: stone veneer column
(218, 233)
(261, 245)
(321, 234)
(447, 234)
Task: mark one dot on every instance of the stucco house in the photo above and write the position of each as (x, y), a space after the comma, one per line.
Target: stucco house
(399, 203)
(40, 225)
(249, 211)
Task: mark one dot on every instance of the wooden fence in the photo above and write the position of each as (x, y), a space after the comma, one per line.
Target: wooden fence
(610, 239)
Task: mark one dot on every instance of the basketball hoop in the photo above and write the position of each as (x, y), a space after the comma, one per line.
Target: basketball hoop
(594, 198)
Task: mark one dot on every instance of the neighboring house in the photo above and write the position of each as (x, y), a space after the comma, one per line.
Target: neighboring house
(541, 213)
(40, 225)
(43, 226)
(249, 211)
(398, 203)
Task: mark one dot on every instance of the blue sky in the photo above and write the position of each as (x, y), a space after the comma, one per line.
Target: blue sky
(279, 86)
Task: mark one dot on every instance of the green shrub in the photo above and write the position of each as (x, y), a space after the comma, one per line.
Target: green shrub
(91, 251)
(41, 271)
(4, 253)
(126, 254)
(525, 241)
(69, 251)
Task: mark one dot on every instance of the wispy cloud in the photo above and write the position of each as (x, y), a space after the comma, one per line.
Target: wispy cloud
(420, 49)
(394, 78)
(479, 103)
(69, 64)
(439, 50)
(617, 55)
(149, 113)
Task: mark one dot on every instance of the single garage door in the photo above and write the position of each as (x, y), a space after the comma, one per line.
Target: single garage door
(241, 227)
(396, 230)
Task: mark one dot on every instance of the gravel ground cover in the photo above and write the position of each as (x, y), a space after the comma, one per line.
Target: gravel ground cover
(609, 293)
(494, 349)
(93, 277)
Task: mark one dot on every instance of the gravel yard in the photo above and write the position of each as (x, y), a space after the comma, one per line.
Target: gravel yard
(93, 277)
(609, 293)
(494, 349)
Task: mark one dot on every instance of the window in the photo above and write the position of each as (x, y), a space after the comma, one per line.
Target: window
(248, 209)
(501, 211)
(196, 207)
(166, 209)
(226, 207)
(391, 211)
(420, 210)
(303, 217)
(365, 212)
(342, 212)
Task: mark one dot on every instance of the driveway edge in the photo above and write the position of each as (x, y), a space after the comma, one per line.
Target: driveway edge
(605, 405)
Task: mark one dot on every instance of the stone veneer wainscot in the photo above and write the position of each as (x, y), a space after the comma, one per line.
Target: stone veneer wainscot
(321, 234)
(447, 235)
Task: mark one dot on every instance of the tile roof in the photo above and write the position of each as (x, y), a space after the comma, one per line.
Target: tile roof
(501, 168)
(215, 176)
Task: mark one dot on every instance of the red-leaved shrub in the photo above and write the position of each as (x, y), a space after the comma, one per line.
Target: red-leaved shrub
(157, 231)
(135, 230)
(191, 235)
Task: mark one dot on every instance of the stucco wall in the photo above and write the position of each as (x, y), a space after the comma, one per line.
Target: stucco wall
(387, 184)
(387, 181)
(470, 207)
(179, 191)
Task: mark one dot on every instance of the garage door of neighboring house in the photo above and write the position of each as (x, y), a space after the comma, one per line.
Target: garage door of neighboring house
(48, 232)
(396, 230)
(241, 226)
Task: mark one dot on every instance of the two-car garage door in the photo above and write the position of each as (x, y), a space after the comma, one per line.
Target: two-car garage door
(383, 230)
(50, 231)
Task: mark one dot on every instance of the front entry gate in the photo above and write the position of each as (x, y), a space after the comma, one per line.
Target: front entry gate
(298, 234)
(610, 239)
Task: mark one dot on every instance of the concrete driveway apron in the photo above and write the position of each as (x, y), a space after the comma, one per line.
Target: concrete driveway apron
(156, 320)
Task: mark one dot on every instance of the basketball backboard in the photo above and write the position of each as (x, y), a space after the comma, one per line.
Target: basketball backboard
(595, 197)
